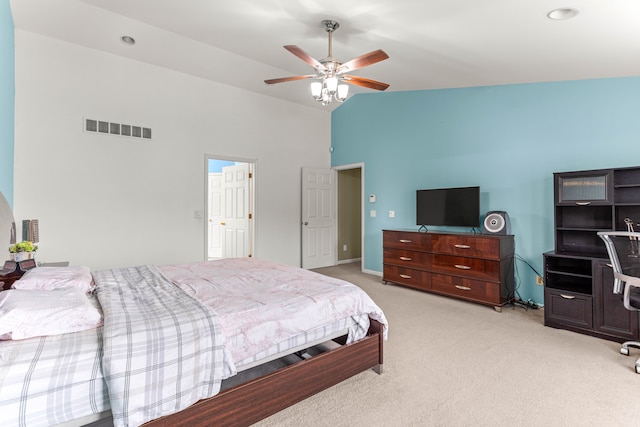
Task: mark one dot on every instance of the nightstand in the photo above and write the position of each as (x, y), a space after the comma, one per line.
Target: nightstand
(13, 271)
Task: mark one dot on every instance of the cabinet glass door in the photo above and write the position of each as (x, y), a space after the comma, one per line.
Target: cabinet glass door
(584, 189)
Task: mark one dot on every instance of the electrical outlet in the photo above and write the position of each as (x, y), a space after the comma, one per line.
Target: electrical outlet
(344, 248)
(539, 280)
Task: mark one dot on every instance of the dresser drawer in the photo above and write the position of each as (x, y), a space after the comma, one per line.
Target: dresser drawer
(469, 246)
(405, 258)
(407, 276)
(565, 308)
(475, 268)
(406, 240)
(466, 288)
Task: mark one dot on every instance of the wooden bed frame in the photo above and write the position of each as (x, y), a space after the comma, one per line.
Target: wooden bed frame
(257, 399)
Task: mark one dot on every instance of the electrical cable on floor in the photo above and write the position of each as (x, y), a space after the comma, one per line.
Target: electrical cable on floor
(517, 298)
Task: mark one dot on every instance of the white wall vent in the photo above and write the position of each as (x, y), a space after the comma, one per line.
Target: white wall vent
(99, 126)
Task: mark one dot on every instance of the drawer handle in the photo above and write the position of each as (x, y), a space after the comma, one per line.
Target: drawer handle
(405, 241)
(583, 203)
(463, 288)
(462, 267)
(567, 296)
(405, 258)
(462, 246)
(404, 276)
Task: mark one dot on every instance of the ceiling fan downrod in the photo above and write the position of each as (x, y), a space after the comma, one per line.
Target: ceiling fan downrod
(330, 27)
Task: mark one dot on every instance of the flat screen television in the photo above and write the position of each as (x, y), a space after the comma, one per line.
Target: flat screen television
(451, 207)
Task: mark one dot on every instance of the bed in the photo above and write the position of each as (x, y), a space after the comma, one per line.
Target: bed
(327, 330)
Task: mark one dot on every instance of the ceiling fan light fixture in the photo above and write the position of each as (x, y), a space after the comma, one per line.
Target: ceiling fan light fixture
(332, 84)
(343, 91)
(316, 90)
(562, 14)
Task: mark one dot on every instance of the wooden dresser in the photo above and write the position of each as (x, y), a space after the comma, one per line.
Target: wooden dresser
(474, 267)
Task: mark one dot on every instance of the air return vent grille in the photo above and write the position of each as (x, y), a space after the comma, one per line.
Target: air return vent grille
(109, 128)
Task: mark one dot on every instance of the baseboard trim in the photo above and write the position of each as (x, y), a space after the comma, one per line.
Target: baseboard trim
(349, 261)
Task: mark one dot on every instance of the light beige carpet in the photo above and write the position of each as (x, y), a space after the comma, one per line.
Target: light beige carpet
(453, 363)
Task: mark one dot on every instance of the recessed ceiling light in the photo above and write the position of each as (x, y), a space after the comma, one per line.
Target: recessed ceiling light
(562, 13)
(128, 40)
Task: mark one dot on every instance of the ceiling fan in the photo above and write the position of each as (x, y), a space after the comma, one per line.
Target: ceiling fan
(331, 73)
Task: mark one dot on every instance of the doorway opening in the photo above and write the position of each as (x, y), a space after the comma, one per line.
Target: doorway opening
(230, 201)
(350, 213)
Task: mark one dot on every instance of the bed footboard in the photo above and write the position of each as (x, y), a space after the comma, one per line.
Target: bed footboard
(257, 399)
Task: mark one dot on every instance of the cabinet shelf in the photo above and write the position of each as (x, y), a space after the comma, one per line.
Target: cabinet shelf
(568, 273)
(574, 287)
(575, 252)
(587, 230)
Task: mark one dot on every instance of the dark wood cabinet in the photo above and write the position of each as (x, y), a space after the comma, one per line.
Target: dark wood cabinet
(472, 267)
(610, 316)
(578, 293)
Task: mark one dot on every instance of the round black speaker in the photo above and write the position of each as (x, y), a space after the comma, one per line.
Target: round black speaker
(497, 222)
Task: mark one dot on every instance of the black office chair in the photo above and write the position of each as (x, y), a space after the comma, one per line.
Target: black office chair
(624, 252)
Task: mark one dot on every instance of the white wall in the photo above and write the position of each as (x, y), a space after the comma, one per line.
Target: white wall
(107, 201)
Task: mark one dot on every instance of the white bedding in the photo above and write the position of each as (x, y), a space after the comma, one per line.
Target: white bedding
(51, 278)
(265, 307)
(35, 313)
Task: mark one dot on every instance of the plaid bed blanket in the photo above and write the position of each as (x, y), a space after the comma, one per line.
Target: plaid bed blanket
(46, 381)
(163, 350)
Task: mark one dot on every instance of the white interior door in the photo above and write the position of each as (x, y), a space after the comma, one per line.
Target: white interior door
(235, 213)
(319, 222)
(215, 216)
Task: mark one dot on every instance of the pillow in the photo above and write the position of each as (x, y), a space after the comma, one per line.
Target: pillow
(26, 314)
(49, 278)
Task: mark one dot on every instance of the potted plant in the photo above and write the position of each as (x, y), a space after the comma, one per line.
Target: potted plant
(22, 251)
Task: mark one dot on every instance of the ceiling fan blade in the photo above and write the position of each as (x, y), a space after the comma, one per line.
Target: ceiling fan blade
(363, 61)
(364, 82)
(289, 79)
(305, 57)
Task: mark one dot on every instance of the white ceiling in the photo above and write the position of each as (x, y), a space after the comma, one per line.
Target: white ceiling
(431, 43)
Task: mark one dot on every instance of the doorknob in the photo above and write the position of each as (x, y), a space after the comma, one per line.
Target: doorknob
(305, 223)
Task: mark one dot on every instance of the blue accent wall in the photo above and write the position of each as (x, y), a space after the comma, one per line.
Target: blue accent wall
(7, 88)
(507, 139)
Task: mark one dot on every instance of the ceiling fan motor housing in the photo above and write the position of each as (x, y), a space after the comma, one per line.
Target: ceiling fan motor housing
(330, 25)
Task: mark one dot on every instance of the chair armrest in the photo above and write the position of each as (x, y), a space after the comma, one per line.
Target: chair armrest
(631, 283)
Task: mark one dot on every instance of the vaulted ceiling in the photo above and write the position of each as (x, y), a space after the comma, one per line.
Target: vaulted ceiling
(431, 43)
